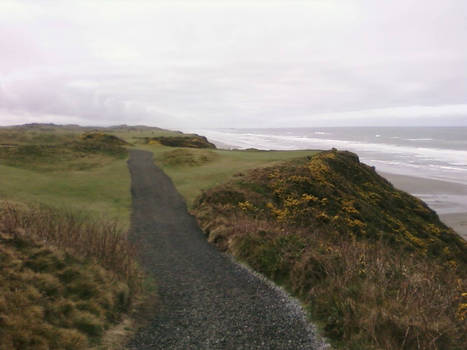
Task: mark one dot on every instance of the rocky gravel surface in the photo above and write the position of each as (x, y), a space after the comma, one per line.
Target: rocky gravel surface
(206, 300)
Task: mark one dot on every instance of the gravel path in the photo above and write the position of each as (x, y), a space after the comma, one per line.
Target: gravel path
(206, 300)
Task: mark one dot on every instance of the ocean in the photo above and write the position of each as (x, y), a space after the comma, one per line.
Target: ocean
(437, 153)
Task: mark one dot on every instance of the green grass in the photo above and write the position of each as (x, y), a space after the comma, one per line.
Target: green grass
(77, 155)
(99, 182)
(21, 135)
(101, 190)
(53, 134)
(137, 135)
(191, 179)
(44, 169)
(69, 167)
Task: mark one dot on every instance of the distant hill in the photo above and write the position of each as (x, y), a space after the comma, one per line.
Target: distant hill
(49, 133)
(79, 128)
(64, 152)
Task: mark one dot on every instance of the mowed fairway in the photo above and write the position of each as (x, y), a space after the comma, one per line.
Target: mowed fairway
(102, 191)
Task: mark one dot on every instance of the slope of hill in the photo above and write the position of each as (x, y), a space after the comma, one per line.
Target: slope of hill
(185, 140)
(66, 263)
(86, 151)
(48, 133)
(65, 280)
(375, 265)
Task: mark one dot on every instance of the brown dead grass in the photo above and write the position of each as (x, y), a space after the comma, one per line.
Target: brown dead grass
(65, 281)
(76, 233)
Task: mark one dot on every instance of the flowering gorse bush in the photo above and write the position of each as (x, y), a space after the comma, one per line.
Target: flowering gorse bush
(375, 266)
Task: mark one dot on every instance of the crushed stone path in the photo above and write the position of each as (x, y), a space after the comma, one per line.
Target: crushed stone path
(206, 301)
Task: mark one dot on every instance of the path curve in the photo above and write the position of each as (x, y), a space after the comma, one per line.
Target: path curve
(206, 300)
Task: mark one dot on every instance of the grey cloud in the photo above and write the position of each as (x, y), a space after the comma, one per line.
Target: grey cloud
(227, 65)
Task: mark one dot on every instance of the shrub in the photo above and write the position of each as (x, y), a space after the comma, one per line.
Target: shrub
(186, 157)
(374, 265)
(191, 141)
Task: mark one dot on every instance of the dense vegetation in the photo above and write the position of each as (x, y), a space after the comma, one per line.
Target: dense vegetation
(65, 279)
(190, 141)
(181, 157)
(193, 170)
(375, 265)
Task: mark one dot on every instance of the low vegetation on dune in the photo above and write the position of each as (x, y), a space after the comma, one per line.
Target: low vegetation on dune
(182, 157)
(72, 166)
(193, 170)
(374, 265)
(100, 138)
(66, 279)
(69, 278)
(185, 140)
(37, 133)
(76, 153)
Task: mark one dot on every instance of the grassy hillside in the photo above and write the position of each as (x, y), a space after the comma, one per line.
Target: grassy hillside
(88, 151)
(71, 273)
(71, 166)
(53, 133)
(75, 170)
(80, 167)
(374, 265)
(193, 170)
(66, 279)
(103, 190)
(190, 141)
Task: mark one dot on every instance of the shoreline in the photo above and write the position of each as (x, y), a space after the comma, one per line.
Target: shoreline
(448, 199)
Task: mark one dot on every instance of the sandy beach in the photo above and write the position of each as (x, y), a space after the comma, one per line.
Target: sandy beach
(448, 199)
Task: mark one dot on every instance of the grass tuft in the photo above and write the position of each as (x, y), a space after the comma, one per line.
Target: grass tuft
(81, 235)
(65, 279)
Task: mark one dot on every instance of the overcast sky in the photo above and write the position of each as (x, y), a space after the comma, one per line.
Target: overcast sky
(236, 63)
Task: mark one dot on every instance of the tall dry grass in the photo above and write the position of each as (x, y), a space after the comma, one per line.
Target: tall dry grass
(79, 234)
(365, 295)
(67, 280)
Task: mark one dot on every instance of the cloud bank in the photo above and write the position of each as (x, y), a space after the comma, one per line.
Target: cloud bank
(205, 64)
